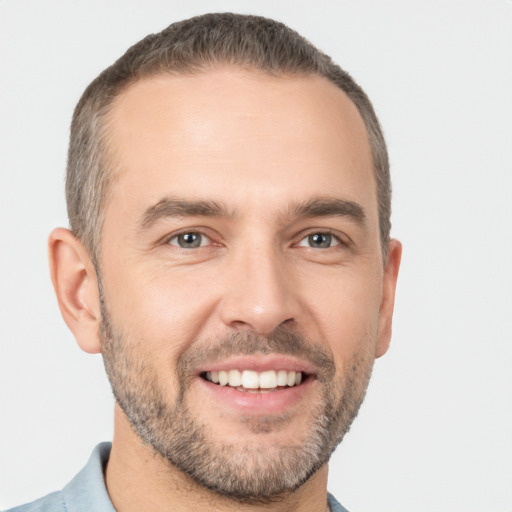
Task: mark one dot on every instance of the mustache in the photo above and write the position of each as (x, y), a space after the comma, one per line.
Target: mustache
(282, 341)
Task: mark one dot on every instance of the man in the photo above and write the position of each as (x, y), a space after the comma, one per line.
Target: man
(229, 255)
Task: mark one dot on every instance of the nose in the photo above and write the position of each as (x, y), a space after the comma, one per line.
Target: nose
(259, 294)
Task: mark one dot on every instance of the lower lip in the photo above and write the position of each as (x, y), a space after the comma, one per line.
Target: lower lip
(260, 403)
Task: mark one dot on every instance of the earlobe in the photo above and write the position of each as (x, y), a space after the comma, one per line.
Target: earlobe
(75, 283)
(388, 296)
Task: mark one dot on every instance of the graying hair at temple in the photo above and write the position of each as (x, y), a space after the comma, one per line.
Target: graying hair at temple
(193, 46)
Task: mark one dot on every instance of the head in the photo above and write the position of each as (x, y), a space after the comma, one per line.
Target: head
(185, 48)
(228, 192)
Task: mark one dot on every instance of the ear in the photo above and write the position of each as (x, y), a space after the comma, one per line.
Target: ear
(76, 286)
(388, 296)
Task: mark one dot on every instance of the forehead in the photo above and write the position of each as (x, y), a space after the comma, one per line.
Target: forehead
(236, 134)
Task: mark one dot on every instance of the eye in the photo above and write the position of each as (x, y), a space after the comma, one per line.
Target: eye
(319, 241)
(190, 240)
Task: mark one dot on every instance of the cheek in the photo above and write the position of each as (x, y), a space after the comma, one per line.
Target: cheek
(345, 309)
(168, 310)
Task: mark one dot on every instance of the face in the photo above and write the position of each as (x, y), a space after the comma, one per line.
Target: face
(242, 279)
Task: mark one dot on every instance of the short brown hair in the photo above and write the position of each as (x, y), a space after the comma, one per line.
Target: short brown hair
(189, 46)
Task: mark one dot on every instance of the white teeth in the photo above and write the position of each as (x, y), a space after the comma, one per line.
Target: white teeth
(235, 378)
(223, 378)
(268, 379)
(282, 377)
(250, 379)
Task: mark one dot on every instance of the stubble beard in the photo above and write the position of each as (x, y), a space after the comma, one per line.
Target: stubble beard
(246, 474)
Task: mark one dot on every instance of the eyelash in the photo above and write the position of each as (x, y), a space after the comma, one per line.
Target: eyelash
(197, 233)
(326, 233)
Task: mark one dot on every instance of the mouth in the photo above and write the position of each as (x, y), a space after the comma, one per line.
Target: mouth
(251, 381)
(257, 385)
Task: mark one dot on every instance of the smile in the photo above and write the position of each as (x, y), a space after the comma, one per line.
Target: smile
(253, 381)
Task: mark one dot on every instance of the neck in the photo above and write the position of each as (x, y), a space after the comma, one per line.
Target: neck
(137, 479)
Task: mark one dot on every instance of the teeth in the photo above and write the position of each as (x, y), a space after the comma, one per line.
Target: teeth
(235, 378)
(268, 379)
(282, 378)
(223, 378)
(250, 379)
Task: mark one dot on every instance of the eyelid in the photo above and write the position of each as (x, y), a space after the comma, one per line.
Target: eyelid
(166, 240)
(342, 240)
(204, 238)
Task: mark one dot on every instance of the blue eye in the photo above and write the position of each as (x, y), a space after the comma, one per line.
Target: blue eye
(191, 240)
(319, 241)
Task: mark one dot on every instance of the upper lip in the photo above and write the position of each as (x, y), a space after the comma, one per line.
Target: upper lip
(259, 363)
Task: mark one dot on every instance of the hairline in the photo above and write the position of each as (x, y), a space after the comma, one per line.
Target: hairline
(111, 172)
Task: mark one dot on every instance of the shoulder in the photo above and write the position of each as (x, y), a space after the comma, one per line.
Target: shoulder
(85, 493)
(53, 502)
(334, 505)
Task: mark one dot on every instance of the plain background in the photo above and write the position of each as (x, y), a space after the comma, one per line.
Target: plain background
(435, 433)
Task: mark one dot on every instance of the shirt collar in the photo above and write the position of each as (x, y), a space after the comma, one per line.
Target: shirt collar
(87, 491)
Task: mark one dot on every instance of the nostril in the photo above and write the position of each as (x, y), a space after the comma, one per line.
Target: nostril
(239, 325)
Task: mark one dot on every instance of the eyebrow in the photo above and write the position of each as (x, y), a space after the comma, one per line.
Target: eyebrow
(316, 207)
(175, 207)
(331, 207)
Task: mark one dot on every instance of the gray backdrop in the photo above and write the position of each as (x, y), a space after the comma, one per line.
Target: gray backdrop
(435, 433)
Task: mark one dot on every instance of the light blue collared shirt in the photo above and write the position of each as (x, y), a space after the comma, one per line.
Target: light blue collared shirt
(87, 491)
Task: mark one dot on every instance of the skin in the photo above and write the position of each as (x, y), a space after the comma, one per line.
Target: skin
(260, 146)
